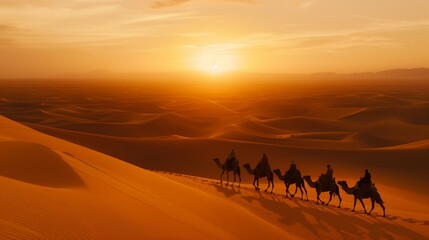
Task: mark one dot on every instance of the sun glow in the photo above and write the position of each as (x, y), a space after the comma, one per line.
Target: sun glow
(214, 60)
(215, 68)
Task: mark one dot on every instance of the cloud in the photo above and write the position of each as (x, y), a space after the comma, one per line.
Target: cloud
(13, 3)
(170, 3)
(167, 3)
(5, 31)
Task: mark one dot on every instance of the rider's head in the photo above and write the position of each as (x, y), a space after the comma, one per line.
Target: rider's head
(366, 170)
(328, 166)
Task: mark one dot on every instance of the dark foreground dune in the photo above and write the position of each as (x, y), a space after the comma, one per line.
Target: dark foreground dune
(90, 195)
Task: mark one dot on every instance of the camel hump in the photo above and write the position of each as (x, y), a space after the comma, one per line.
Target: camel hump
(232, 162)
(326, 181)
(263, 167)
(292, 173)
(368, 187)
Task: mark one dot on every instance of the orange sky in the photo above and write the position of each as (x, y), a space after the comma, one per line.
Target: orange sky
(48, 38)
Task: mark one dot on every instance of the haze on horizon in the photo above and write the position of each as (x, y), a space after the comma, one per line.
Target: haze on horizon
(47, 38)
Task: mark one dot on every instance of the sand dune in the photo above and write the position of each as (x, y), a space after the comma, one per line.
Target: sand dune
(180, 128)
(95, 196)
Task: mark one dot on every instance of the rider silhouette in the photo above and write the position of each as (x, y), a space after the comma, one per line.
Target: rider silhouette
(231, 158)
(328, 176)
(329, 172)
(292, 169)
(366, 179)
(263, 163)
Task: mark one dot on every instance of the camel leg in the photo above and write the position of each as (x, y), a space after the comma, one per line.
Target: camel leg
(272, 184)
(339, 197)
(268, 179)
(257, 183)
(254, 181)
(330, 197)
(287, 189)
(221, 176)
(372, 207)
(354, 204)
(318, 199)
(302, 193)
(363, 205)
(296, 190)
(235, 177)
(239, 178)
(303, 185)
(382, 206)
(227, 178)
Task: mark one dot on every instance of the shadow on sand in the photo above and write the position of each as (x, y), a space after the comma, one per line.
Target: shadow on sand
(319, 220)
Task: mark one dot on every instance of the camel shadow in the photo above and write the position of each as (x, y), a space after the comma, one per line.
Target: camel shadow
(320, 220)
(228, 191)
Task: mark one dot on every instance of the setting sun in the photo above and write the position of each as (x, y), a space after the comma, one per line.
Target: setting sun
(214, 119)
(213, 59)
(215, 68)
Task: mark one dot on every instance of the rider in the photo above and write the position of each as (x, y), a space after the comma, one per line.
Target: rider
(264, 158)
(263, 162)
(231, 157)
(328, 176)
(366, 179)
(292, 168)
(329, 172)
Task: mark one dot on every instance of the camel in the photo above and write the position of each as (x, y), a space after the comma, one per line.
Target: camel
(332, 188)
(262, 170)
(363, 193)
(289, 179)
(233, 166)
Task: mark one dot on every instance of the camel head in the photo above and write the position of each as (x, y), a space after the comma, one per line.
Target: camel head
(343, 184)
(278, 173)
(248, 168)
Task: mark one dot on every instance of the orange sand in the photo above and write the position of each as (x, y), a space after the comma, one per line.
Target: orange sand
(73, 191)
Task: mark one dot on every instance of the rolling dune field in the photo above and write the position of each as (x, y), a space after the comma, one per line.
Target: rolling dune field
(176, 129)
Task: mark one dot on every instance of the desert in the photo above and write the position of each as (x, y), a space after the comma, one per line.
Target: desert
(103, 160)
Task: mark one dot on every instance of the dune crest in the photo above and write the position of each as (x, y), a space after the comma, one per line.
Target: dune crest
(119, 200)
(36, 164)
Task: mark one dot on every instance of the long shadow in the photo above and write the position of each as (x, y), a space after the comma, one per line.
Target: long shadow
(328, 217)
(321, 219)
(228, 191)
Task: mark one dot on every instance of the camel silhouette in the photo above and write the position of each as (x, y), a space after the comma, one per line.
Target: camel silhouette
(290, 179)
(330, 187)
(362, 193)
(262, 170)
(228, 166)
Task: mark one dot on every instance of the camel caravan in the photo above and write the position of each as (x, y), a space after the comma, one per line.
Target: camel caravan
(363, 189)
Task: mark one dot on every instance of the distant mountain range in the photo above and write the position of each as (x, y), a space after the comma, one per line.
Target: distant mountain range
(412, 73)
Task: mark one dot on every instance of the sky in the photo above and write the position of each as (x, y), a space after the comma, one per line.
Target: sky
(49, 38)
